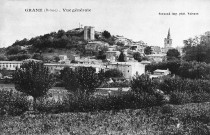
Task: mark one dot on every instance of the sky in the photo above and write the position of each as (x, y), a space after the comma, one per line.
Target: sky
(133, 19)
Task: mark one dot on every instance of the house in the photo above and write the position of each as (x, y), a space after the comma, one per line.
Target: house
(136, 48)
(96, 45)
(144, 62)
(112, 48)
(73, 57)
(10, 65)
(55, 67)
(156, 49)
(63, 57)
(122, 40)
(112, 55)
(129, 69)
(157, 57)
(159, 73)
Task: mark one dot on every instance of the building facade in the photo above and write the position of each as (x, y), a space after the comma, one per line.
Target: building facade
(129, 69)
(89, 33)
(168, 42)
(157, 57)
(10, 65)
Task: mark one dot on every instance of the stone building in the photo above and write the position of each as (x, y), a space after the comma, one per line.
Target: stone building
(129, 69)
(89, 33)
(168, 42)
(10, 65)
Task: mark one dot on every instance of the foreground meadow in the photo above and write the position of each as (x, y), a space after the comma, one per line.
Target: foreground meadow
(187, 119)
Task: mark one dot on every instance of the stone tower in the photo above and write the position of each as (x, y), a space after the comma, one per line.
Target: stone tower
(168, 41)
(89, 33)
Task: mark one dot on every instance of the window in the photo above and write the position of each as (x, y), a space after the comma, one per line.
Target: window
(128, 71)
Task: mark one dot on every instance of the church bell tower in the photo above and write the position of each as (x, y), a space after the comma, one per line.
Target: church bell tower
(168, 41)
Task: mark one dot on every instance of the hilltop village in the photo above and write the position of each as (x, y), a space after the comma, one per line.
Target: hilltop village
(85, 47)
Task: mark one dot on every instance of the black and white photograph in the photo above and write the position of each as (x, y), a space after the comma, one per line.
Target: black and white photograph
(104, 67)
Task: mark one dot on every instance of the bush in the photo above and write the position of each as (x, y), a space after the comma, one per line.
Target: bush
(113, 73)
(115, 84)
(19, 57)
(178, 97)
(141, 84)
(12, 102)
(191, 70)
(184, 91)
(173, 66)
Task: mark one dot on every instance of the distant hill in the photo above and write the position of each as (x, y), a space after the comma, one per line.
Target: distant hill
(54, 43)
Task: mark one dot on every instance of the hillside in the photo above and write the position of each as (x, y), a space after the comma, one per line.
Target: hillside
(60, 42)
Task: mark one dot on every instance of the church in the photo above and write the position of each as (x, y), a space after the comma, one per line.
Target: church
(168, 42)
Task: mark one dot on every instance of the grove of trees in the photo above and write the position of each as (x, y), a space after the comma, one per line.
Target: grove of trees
(34, 79)
(197, 49)
(82, 80)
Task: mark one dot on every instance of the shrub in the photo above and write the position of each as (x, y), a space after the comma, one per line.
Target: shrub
(191, 70)
(19, 57)
(113, 73)
(115, 84)
(173, 66)
(12, 102)
(184, 91)
(180, 97)
(141, 84)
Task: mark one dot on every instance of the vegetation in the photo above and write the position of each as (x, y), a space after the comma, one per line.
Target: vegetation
(106, 34)
(12, 103)
(111, 73)
(37, 56)
(148, 50)
(18, 57)
(197, 49)
(137, 56)
(173, 54)
(169, 120)
(101, 55)
(122, 57)
(192, 69)
(82, 81)
(33, 79)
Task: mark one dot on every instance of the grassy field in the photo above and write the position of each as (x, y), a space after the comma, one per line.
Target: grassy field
(166, 120)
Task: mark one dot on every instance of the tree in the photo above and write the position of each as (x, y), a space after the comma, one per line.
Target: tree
(122, 57)
(101, 55)
(37, 56)
(106, 34)
(13, 50)
(137, 56)
(34, 79)
(197, 49)
(3, 58)
(56, 58)
(142, 84)
(4, 72)
(148, 50)
(82, 81)
(113, 73)
(173, 53)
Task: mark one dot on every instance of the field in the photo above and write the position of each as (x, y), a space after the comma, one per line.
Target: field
(178, 119)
